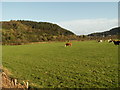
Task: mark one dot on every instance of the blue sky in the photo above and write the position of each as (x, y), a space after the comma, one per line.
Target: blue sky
(61, 11)
(65, 14)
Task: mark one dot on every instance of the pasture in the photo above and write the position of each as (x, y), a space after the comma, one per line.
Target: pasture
(86, 64)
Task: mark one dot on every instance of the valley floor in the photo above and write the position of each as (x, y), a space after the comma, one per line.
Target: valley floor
(86, 64)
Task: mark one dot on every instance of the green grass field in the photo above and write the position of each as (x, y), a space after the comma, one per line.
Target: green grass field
(86, 64)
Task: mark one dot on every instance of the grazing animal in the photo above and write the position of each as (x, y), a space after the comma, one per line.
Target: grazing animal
(100, 40)
(116, 42)
(68, 44)
(110, 40)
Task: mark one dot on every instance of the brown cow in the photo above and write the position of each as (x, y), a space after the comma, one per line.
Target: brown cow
(68, 44)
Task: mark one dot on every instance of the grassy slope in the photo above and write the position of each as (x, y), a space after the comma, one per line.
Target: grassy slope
(85, 64)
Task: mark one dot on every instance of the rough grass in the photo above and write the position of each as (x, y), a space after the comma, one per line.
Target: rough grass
(86, 64)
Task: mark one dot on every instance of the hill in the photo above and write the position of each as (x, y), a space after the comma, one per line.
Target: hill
(113, 31)
(21, 31)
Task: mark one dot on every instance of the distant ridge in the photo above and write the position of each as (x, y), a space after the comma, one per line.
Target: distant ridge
(113, 31)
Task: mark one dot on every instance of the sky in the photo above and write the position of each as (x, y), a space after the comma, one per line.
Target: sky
(78, 17)
(60, 0)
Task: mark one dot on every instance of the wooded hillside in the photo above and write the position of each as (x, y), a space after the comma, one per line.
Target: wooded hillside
(113, 31)
(21, 31)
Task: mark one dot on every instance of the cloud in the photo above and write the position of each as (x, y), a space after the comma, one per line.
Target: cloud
(87, 26)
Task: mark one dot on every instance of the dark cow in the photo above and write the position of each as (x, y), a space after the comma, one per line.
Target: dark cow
(68, 44)
(116, 42)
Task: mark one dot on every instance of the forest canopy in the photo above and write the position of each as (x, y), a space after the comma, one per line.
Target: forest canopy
(22, 31)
